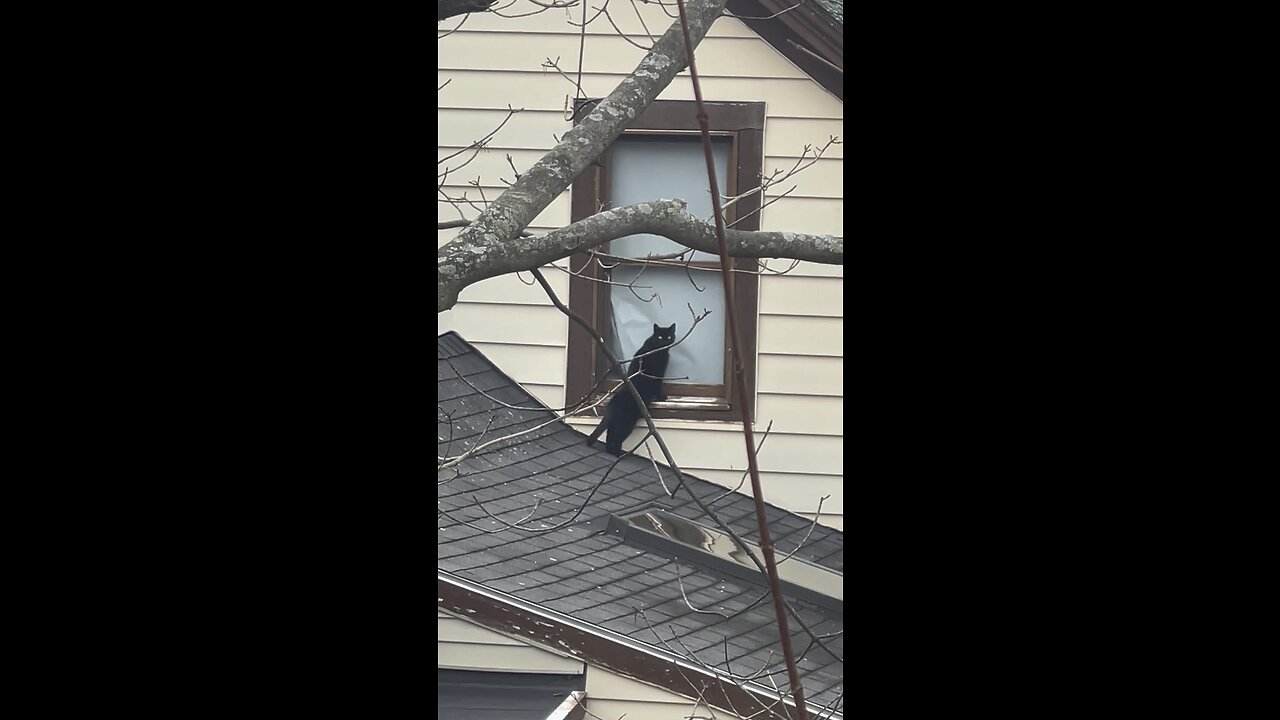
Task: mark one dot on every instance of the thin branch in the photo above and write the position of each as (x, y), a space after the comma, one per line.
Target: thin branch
(766, 17)
(805, 539)
(745, 473)
(484, 140)
(446, 463)
(815, 56)
(460, 24)
(766, 543)
(621, 34)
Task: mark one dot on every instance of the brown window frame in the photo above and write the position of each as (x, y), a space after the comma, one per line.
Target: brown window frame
(744, 122)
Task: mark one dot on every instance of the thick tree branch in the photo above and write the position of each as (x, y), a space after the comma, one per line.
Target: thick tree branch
(667, 218)
(450, 8)
(506, 217)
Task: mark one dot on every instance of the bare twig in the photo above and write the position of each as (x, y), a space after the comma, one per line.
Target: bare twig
(766, 17)
(766, 543)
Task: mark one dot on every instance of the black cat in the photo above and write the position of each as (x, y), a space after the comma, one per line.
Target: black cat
(646, 374)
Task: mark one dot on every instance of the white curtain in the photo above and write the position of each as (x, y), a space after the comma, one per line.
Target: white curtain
(701, 356)
(651, 168)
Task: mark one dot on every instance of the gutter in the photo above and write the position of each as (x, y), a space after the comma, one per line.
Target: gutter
(616, 652)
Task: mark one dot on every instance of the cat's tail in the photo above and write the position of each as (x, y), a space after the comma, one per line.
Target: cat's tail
(604, 423)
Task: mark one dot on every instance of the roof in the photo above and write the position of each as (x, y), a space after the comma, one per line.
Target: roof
(809, 33)
(587, 583)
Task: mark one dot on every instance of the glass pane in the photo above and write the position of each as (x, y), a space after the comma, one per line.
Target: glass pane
(646, 168)
(701, 356)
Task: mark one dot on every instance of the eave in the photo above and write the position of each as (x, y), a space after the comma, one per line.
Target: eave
(510, 615)
(802, 34)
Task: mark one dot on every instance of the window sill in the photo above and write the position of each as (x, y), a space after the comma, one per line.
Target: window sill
(681, 402)
(590, 421)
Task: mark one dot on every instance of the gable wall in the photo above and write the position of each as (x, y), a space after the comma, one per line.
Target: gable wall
(463, 645)
(492, 61)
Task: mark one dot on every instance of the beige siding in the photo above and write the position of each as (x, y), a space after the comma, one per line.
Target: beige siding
(609, 695)
(800, 375)
(550, 395)
(833, 521)
(463, 645)
(492, 61)
(609, 55)
(797, 491)
(809, 414)
(798, 295)
(804, 269)
(702, 448)
(555, 21)
(536, 90)
(801, 335)
(513, 289)
(523, 325)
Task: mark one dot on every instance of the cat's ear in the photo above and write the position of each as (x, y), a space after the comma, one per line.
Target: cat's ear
(655, 328)
(672, 329)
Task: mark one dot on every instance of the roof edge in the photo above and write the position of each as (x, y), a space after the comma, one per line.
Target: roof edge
(502, 612)
(803, 34)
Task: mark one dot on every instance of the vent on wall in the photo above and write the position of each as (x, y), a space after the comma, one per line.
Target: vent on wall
(689, 542)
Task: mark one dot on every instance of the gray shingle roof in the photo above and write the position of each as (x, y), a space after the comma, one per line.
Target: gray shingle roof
(588, 574)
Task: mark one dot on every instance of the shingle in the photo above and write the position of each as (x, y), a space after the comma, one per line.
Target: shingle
(580, 569)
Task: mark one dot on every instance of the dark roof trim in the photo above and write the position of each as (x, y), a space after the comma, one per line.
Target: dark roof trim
(805, 35)
(501, 612)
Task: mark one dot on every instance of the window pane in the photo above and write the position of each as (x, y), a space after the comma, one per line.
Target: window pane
(701, 356)
(644, 169)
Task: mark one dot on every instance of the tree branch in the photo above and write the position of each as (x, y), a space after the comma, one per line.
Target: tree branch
(511, 213)
(473, 262)
(449, 8)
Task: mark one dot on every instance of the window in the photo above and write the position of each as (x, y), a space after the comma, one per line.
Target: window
(660, 155)
(668, 534)
(483, 695)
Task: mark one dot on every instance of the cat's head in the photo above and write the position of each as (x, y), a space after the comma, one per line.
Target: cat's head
(665, 335)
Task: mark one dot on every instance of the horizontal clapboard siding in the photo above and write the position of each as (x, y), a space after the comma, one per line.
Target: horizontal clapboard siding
(492, 62)
(556, 22)
(531, 131)
(801, 335)
(802, 296)
(791, 490)
(729, 57)
(534, 89)
(462, 645)
(723, 449)
(820, 179)
(610, 695)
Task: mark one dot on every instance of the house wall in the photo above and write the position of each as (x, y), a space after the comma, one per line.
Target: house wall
(463, 645)
(609, 695)
(492, 61)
